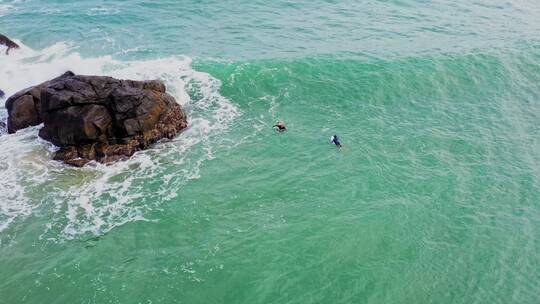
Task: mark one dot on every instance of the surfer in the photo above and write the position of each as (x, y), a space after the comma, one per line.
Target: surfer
(335, 140)
(280, 125)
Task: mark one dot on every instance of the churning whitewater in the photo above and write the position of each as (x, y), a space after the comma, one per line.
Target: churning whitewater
(102, 197)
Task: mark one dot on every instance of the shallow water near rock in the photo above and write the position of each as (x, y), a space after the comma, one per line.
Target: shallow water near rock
(433, 198)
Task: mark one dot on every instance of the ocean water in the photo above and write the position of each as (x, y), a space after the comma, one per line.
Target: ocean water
(434, 198)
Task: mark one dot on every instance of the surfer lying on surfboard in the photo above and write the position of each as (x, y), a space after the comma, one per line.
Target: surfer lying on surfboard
(280, 126)
(335, 140)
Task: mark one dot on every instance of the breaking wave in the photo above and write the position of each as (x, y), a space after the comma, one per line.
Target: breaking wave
(95, 199)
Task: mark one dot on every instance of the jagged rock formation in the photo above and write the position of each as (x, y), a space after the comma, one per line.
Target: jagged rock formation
(96, 117)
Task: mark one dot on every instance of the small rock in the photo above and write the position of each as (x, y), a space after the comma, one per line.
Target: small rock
(8, 42)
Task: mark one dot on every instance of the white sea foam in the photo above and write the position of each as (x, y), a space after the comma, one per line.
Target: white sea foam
(103, 11)
(95, 199)
(5, 8)
(14, 203)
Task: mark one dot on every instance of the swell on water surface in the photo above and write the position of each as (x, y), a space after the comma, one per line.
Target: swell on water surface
(97, 198)
(483, 102)
(434, 197)
(439, 174)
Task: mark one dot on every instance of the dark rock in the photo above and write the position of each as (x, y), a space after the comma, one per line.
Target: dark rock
(97, 118)
(24, 107)
(2, 94)
(8, 42)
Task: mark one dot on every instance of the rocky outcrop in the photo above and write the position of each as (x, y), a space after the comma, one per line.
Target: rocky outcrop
(98, 118)
(8, 42)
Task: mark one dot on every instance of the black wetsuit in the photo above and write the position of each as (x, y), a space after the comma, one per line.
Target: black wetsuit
(335, 141)
(281, 128)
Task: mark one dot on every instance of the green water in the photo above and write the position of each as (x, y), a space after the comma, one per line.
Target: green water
(434, 197)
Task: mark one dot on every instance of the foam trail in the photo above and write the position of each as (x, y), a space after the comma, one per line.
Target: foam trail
(98, 198)
(13, 201)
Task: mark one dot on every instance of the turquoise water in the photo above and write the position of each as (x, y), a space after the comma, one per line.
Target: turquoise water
(435, 197)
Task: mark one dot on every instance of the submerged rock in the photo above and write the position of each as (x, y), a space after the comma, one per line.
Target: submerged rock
(8, 42)
(98, 118)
